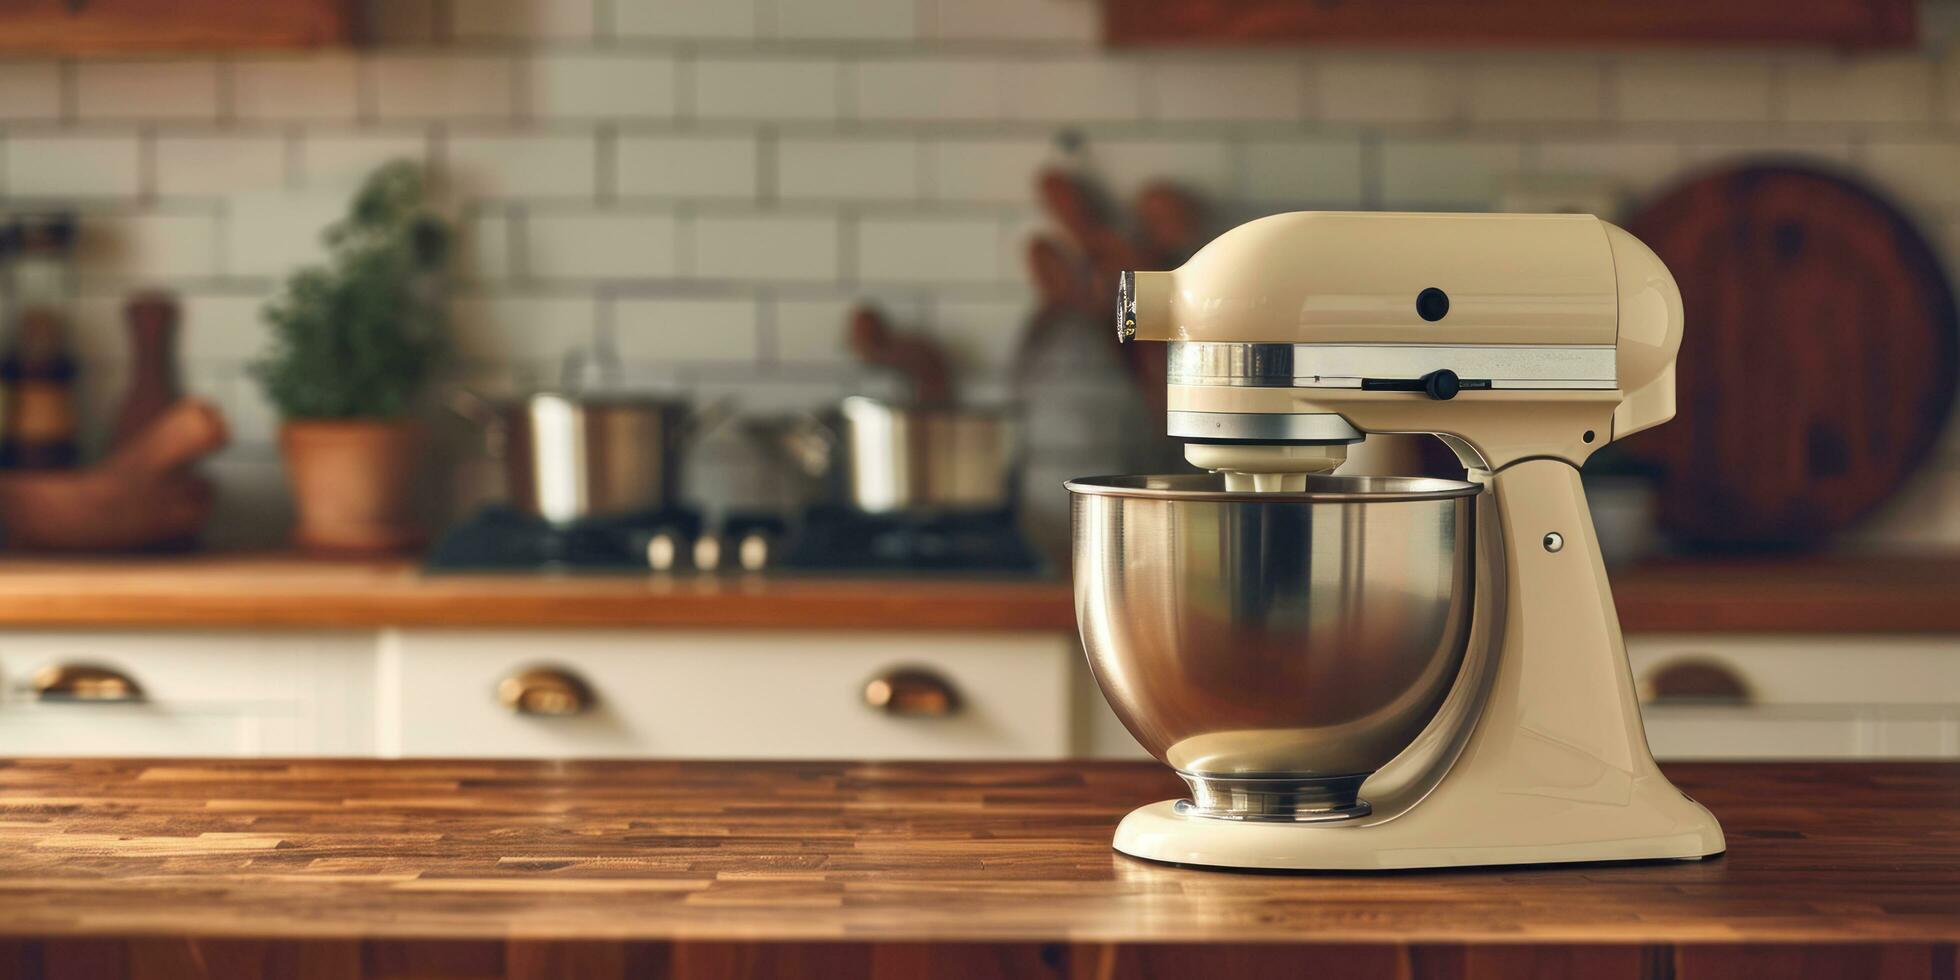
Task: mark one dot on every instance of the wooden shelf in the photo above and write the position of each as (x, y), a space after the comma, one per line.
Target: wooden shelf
(1845, 594)
(700, 869)
(90, 27)
(1509, 23)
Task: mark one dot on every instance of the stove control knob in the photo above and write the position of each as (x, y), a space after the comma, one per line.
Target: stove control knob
(707, 553)
(752, 552)
(662, 551)
(1441, 385)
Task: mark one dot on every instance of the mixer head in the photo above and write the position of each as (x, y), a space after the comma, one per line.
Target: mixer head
(1296, 335)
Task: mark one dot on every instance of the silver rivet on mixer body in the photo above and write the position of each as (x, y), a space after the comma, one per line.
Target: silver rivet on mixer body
(1554, 542)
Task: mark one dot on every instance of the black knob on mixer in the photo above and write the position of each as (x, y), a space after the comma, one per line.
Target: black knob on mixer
(1441, 385)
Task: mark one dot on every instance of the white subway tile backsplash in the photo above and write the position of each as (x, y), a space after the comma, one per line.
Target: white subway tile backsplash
(1923, 173)
(686, 166)
(679, 19)
(148, 248)
(1072, 89)
(1734, 147)
(275, 234)
(1385, 89)
(484, 250)
(218, 165)
(1445, 174)
(847, 169)
(982, 335)
(524, 20)
(1322, 172)
(600, 86)
(305, 88)
(719, 182)
(505, 327)
(1227, 89)
(29, 91)
(597, 246)
(685, 330)
(1536, 90)
(927, 89)
(811, 330)
(223, 327)
(1692, 89)
(1638, 167)
(881, 20)
(766, 88)
(1126, 165)
(125, 90)
(1000, 171)
(344, 159)
(929, 250)
(508, 166)
(765, 248)
(442, 86)
(1862, 89)
(50, 166)
(1070, 21)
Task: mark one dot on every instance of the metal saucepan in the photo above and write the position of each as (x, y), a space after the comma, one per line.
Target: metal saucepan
(884, 458)
(574, 457)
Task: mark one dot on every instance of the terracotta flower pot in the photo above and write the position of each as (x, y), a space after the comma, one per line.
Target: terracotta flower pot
(353, 484)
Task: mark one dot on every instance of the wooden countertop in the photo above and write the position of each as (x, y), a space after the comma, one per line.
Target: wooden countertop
(1848, 594)
(284, 592)
(681, 869)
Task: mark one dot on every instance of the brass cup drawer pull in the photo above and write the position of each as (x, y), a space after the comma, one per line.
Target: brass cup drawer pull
(1694, 681)
(912, 692)
(546, 691)
(85, 682)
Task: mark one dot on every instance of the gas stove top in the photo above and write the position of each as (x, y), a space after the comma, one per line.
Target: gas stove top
(823, 539)
(841, 539)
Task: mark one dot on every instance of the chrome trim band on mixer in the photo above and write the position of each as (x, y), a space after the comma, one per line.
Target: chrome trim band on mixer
(1281, 799)
(1268, 365)
(1321, 488)
(1260, 427)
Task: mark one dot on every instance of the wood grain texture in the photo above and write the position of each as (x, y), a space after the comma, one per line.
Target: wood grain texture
(44, 27)
(780, 869)
(1452, 23)
(283, 592)
(1820, 359)
(1848, 594)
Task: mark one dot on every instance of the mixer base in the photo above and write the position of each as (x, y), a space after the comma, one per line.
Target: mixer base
(1159, 832)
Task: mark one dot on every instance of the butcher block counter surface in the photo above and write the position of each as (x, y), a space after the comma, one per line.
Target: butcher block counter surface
(638, 862)
(1850, 594)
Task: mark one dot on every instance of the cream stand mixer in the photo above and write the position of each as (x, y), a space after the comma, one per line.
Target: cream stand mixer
(1386, 672)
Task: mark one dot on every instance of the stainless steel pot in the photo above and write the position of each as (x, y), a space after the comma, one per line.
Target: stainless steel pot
(881, 457)
(573, 457)
(1274, 648)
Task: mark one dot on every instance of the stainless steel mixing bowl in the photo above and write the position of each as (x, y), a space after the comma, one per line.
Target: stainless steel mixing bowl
(1274, 648)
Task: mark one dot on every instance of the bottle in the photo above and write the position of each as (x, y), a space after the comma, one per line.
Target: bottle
(153, 384)
(38, 428)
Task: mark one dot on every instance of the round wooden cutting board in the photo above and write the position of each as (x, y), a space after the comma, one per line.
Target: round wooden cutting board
(1818, 363)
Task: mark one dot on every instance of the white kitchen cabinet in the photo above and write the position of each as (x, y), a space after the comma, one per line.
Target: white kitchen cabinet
(207, 694)
(785, 694)
(1808, 697)
(724, 694)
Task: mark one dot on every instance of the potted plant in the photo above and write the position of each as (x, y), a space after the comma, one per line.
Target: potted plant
(353, 343)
